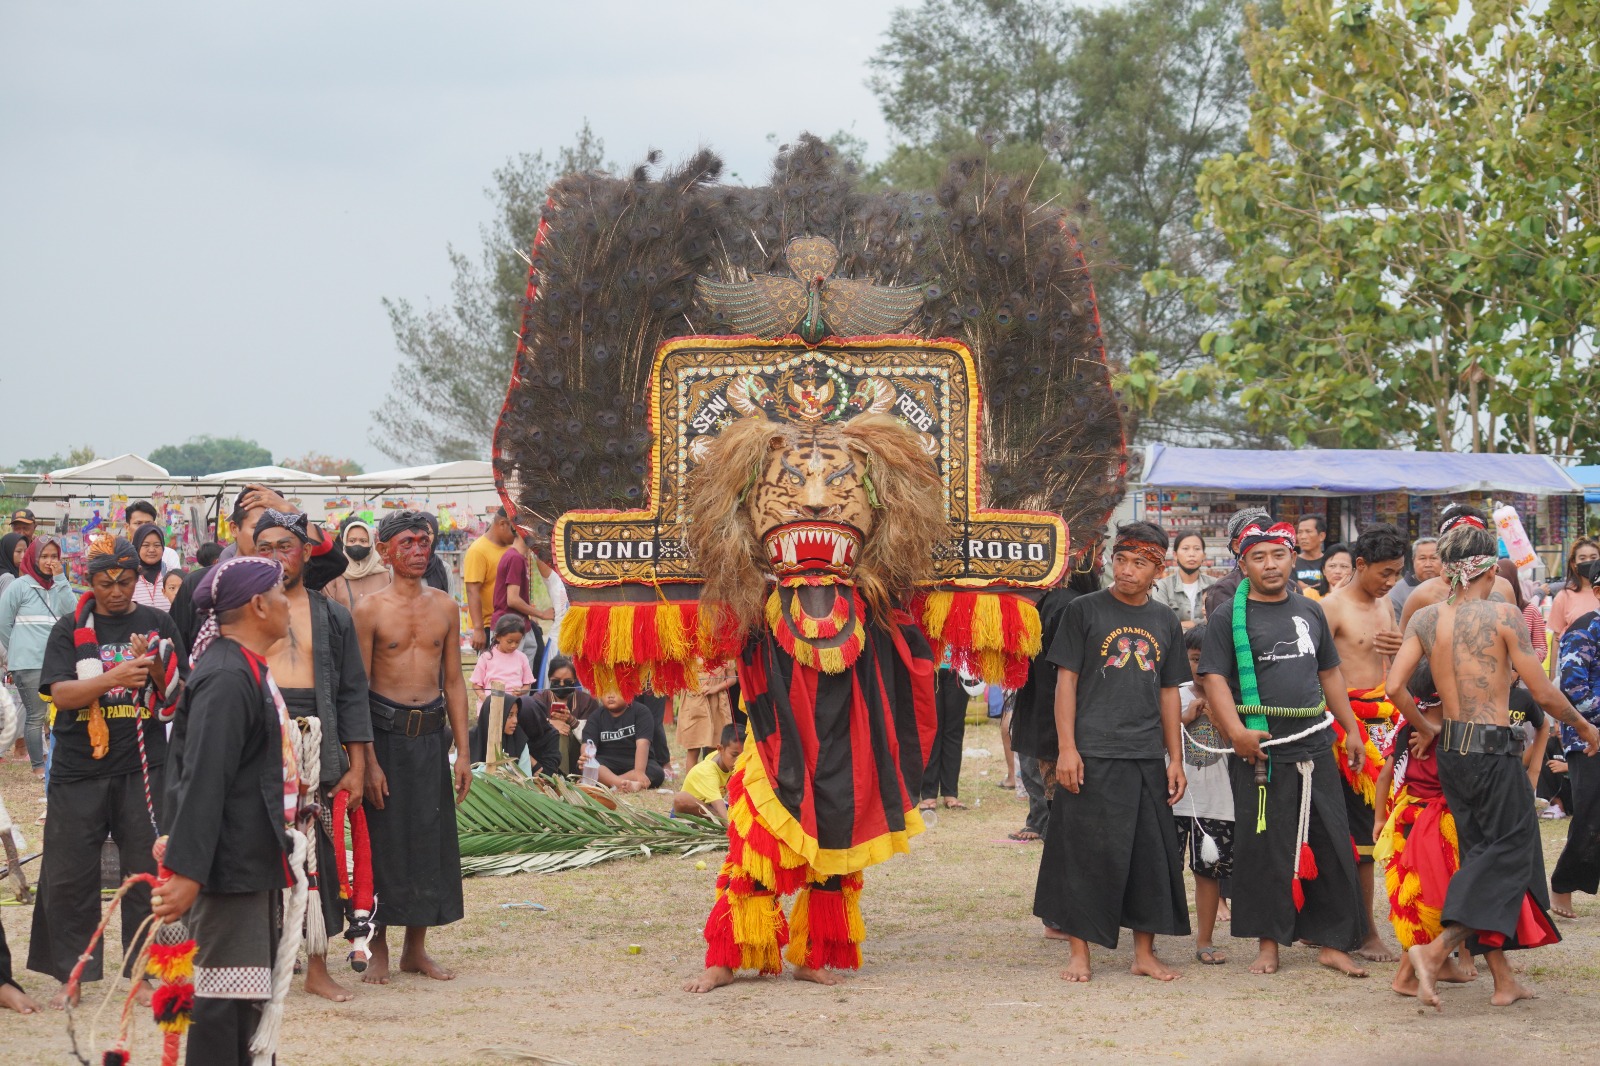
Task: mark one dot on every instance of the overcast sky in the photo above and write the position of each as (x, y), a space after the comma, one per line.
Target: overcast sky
(202, 204)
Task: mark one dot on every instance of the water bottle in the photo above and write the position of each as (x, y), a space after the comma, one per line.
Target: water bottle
(591, 765)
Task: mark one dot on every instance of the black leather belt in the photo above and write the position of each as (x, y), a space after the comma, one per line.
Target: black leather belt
(1471, 738)
(410, 722)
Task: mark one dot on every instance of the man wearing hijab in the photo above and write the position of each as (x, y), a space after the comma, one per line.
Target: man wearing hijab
(318, 668)
(235, 792)
(112, 680)
(410, 638)
(367, 572)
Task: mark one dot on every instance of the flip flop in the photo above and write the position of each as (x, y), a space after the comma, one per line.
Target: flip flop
(1208, 956)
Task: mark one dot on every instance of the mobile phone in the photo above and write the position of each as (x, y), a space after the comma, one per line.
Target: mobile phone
(558, 704)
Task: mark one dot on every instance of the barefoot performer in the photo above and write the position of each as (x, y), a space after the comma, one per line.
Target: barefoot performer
(1497, 899)
(1271, 677)
(234, 799)
(1111, 857)
(318, 668)
(410, 638)
(100, 664)
(1361, 619)
(12, 997)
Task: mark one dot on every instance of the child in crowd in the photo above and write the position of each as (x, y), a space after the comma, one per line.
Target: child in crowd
(504, 661)
(705, 786)
(1205, 812)
(172, 582)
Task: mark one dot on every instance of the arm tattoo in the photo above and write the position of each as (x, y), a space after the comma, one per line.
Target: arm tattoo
(1425, 624)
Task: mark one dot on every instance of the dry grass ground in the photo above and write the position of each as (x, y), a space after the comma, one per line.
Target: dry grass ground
(956, 971)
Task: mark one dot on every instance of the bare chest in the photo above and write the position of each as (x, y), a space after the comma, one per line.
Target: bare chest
(293, 659)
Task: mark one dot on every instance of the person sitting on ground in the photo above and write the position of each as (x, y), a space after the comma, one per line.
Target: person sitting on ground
(565, 704)
(705, 786)
(526, 727)
(621, 736)
(503, 661)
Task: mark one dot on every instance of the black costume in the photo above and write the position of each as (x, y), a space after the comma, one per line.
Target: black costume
(227, 831)
(942, 775)
(533, 733)
(92, 798)
(416, 854)
(1111, 857)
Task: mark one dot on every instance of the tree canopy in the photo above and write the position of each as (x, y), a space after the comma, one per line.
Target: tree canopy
(325, 465)
(199, 456)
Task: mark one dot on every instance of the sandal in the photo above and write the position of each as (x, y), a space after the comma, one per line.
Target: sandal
(1208, 956)
(1025, 836)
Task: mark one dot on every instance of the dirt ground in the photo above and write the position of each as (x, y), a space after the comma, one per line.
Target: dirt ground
(956, 971)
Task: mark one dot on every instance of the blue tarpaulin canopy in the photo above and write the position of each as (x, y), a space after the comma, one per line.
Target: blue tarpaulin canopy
(1589, 478)
(1355, 472)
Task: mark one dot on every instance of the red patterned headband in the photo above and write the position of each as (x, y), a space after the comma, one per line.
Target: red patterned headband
(1144, 549)
(1254, 534)
(1461, 520)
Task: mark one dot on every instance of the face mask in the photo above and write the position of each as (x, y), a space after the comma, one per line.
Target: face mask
(1590, 571)
(563, 688)
(358, 552)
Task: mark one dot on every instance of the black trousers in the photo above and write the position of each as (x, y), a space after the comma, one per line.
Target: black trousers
(1578, 868)
(6, 976)
(220, 1031)
(1038, 806)
(82, 815)
(942, 777)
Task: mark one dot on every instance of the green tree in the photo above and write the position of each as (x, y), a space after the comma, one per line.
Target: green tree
(1414, 228)
(326, 465)
(455, 360)
(203, 455)
(76, 457)
(1118, 105)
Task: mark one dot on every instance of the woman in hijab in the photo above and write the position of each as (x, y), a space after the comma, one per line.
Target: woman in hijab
(12, 545)
(151, 544)
(29, 608)
(435, 576)
(366, 573)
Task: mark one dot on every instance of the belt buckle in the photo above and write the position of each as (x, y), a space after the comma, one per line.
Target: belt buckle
(414, 723)
(1465, 746)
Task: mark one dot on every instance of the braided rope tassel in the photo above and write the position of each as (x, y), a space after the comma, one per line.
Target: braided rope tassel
(1305, 865)
(310, 761)
(144, 770)
(264, 1045)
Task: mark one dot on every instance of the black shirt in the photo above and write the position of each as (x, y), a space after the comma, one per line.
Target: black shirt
(616, 736)
(1033, 722)
(73, 758)
(1308, 572)
(1123, 656)
(1292, 644)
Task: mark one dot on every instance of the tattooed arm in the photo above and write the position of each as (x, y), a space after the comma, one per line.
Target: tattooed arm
(1514, 631)
(1406, 661)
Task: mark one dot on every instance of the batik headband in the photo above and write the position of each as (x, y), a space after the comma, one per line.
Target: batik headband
(1144, 549)
(1463, 572)
(1461, 520)
(1282, 533)
(294, 521)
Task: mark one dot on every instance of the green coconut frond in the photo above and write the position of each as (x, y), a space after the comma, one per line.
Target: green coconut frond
(511, 825)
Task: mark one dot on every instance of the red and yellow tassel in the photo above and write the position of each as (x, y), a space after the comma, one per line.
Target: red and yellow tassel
(990, 635)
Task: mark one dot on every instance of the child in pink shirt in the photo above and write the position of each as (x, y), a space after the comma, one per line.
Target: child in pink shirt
(504, 661)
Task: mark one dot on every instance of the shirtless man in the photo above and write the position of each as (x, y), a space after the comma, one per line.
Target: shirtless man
(1436, 589)
(1361, 619)
(1497, 899)
(319, 671)
(410, 637)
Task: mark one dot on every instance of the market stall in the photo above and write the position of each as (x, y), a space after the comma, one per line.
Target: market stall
(1198, 488)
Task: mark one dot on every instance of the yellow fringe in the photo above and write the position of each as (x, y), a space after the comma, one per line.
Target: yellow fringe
(987, 632)
(755, 930)
(1429, 920)
(774, 611)
(670, 636)
(1410, 889)
(619, 637)
(800, 928)
(573, 626)
(935, 609)
(852, 915)
(1032, 632)
(992, 666)
(1447, 829)
(830, 660)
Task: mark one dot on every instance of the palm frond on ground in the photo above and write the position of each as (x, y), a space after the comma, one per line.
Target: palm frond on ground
(511, 824)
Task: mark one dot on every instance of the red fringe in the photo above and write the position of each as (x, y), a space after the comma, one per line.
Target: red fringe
(829, 944)
(668, 677)
(1011, 620)
(721, 949)
(172, 1003)
(1016, 671)
(646, 648)
(958, 623)
(1307, 867)
(1299, 894)
(596, 632)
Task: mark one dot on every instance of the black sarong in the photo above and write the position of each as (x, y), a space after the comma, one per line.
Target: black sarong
(1111, 857)
(1499, 890)
(416, 855)
(1578, 868)
(6, 976)
(82, 815)
(1264, 862)
(236, 940)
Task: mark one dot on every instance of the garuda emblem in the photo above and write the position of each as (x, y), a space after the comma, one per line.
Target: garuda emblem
(813, 304)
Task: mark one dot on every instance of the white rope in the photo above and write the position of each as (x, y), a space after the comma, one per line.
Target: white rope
(316, 926)
(1322, 723)
(1303, 831)
(264, 1045)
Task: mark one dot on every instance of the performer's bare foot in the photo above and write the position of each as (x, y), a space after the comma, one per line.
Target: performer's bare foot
(713, 977)
(1153, 967)
(1078, 970)
(1452, 972)
(144, 993)
(61, 1000)
(1223, 913)
(1055, 934)
(1405, 978)
(1427, 972)
(1509, 991)
(377, 971)
(821, 977)
(1267, 959)
(419, 961)
(321, 983)
(1374, 950)
(14, 998)
(1561, 905)
(1337, 960)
